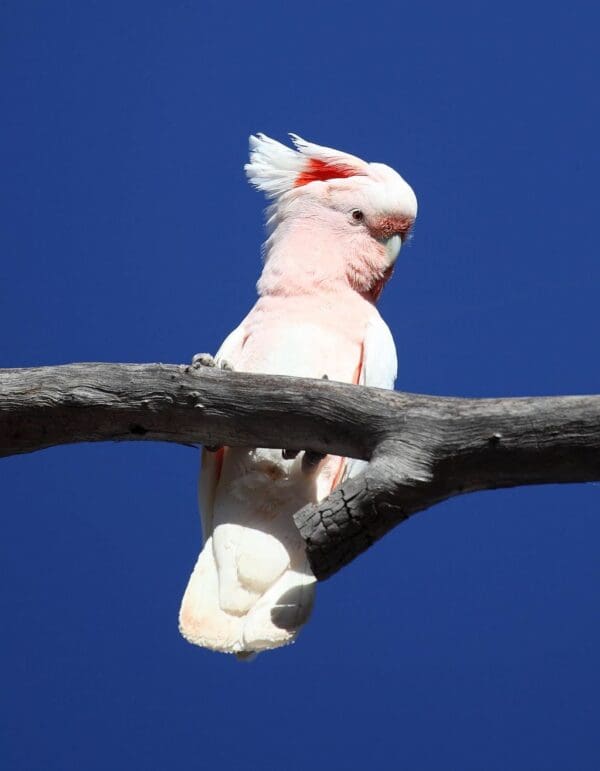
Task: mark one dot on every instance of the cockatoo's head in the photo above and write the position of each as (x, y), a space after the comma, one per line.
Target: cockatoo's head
(367, 205)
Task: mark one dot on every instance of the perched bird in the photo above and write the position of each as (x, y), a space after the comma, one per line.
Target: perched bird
(335, 228)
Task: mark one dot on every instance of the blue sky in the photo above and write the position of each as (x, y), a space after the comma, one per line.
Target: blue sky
(468, 637)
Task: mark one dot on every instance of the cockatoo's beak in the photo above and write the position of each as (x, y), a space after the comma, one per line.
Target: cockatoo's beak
(391, 231)
(392, 247)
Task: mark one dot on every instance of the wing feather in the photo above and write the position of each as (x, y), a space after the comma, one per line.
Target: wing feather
(378, 369)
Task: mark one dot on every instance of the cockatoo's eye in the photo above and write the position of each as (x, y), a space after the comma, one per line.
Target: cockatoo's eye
(357, 215)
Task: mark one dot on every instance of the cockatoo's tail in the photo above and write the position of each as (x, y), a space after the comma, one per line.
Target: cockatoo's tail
(336, 226)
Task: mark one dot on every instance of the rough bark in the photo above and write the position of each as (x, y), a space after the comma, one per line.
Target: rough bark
(422, 449)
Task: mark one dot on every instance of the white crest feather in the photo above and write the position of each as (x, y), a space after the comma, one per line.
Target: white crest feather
(275, 168)
(330, 156)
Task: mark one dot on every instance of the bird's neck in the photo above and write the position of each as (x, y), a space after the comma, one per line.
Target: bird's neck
(310, 256)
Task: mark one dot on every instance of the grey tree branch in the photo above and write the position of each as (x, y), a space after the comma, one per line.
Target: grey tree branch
(422, 449)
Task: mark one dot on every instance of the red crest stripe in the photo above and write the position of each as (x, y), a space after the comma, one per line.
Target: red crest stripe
(317, 170)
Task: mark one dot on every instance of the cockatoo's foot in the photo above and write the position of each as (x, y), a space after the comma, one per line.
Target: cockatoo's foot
(206, 360)
(203, 360)
(311, 460)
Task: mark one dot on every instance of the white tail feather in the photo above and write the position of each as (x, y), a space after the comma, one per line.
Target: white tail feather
(273, 621)
(252, 587)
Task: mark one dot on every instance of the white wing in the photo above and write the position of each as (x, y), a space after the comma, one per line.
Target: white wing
(379, 370)
(380, 363)
(232, 345)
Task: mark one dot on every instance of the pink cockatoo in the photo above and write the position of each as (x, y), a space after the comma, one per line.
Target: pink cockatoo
(335, 229)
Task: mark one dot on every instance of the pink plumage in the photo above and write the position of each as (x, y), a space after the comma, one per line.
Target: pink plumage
(335, 229)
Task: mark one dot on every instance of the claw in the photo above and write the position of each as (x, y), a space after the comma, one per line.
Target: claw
(203, 360)
(206, 360)
(311, 460)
